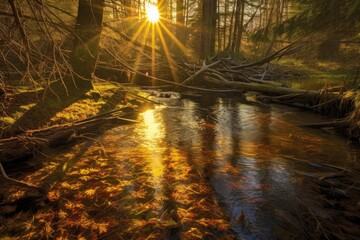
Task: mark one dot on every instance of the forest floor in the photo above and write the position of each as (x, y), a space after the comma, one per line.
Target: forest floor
(24, 100)
(320, 71)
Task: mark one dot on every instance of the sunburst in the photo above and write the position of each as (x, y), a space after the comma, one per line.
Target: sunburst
(152, 14)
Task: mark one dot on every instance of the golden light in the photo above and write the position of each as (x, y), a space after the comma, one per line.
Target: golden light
(153, 132)
(152, 13)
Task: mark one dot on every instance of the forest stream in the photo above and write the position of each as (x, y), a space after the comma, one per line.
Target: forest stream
(209, 168)
(90, 149)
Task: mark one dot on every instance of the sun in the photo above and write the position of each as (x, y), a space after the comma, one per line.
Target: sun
(152, 14)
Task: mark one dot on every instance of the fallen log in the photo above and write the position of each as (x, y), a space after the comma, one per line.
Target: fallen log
(32, 141)
(327, 103)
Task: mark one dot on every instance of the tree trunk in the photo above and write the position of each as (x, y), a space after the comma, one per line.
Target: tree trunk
(240, 28)
(231, 27)
(86, 45)
(180, 20)
(208, 28)
(225, 23)
(236, 26)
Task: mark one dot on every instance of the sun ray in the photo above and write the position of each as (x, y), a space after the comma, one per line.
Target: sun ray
(138, 57)
(153, 53)
(174, 38)
(137, 33)
(167, 54)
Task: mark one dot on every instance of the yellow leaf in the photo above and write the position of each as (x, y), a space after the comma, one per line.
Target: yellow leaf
(101, 227)
(66, 185)
(195, 233)
(69, 205)
(62, 214)
(53, 195)
(84, 178)
(90, 192)
(65, 166)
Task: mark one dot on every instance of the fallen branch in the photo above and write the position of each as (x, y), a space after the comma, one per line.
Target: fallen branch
(278, 54)
(337, 123)
(16, 182)
(197, 73)
(319, 225)
(29, 142)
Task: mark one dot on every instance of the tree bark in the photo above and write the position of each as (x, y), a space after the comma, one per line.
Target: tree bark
(86, 45)
(240, 28)
(208, 28)
(180, 20)
(231, 27)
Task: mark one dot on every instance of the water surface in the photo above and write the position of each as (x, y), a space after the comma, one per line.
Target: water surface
(214, 168)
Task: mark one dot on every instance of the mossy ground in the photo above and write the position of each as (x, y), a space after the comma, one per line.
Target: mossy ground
(25, 108)
(320, 74)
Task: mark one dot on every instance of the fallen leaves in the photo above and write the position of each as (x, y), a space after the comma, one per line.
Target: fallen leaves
(219, 224)
(100, 227)
(53, 195)
(90, 192)
(62, 214)
(96, 196)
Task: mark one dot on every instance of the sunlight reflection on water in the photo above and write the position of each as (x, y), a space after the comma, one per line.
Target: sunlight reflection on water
(209, 169)
(238, 149)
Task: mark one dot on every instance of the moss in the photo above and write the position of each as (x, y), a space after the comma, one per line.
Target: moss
(320, 73)
(27, 107)
(28, 111)
(7, 121)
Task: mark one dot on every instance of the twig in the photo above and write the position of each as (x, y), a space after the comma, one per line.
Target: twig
(311, 212)
(202, 69)
(16, 182)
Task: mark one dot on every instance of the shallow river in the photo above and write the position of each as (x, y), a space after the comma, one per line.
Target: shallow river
(215, 168)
